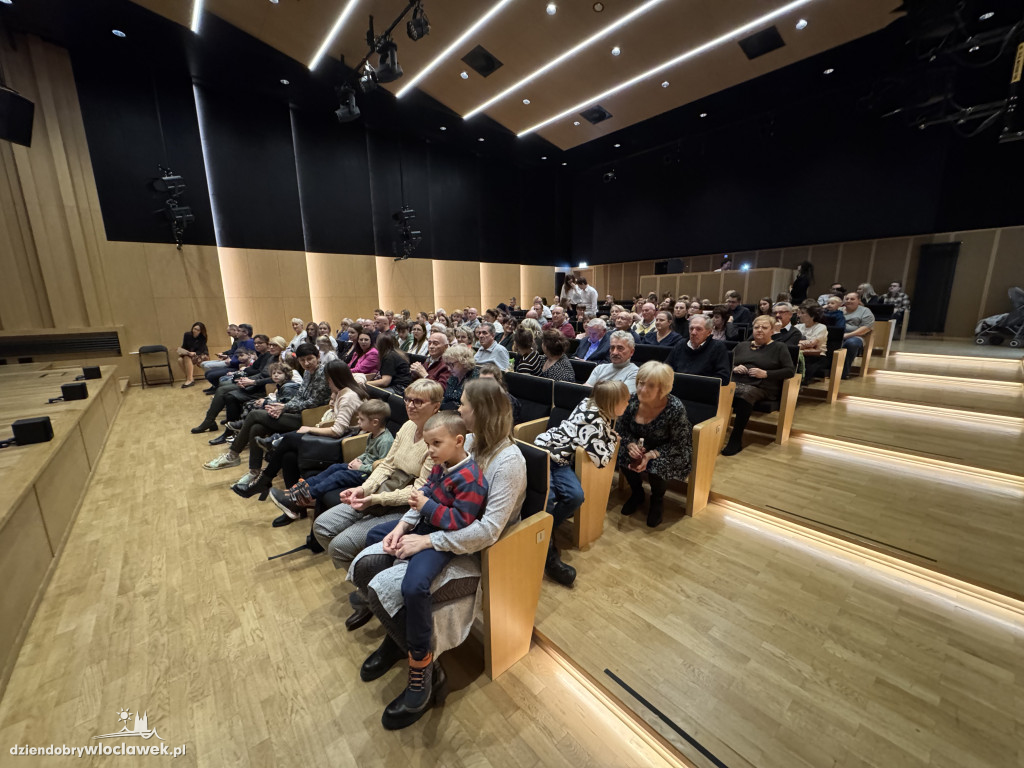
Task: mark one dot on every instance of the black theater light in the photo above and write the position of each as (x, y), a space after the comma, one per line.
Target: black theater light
(419, 25)
(349, 110)
(367, 78)
(388, 69)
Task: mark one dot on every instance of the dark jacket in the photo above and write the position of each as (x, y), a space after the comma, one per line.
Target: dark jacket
(709, 359)
(672, 340)
(789, 337)
(600, 353)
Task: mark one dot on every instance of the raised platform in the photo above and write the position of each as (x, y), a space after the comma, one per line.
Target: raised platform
(43, 485)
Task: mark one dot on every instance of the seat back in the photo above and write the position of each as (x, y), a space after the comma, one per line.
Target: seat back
(398, 413)
(699, 395)
(566, 398)
(416, 358)
(882, 311)
(645, 352)
(582, 369)
(150, 348)
(535, 395)
(537, 468)
(377, 394)
(574, 344)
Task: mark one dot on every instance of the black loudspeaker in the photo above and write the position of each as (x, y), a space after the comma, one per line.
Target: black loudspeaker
(90, 372)
(661, 267)
(16, 113)
(36, 430)
(75, 390)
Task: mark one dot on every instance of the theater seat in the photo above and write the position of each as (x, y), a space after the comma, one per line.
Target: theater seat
(535, 397)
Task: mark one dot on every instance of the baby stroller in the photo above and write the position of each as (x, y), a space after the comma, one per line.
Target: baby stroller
(1009, 325)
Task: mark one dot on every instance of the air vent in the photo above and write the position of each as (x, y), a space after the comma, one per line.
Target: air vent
(596, 114)
(762, 42)
(89, 343)
(482, 61)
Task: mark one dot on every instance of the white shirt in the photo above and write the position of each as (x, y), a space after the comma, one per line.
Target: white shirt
(590, 299)
(497, 354)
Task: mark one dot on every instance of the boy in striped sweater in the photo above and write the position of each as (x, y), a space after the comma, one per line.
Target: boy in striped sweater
(452, 498)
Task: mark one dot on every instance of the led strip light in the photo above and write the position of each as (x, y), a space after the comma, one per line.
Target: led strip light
(693, 52)
(342, 17)
(197, 14)
(938, 378)
(568, 54)
(478, 24)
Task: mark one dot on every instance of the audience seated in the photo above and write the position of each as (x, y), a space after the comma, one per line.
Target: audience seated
(462, 368)
(394, 374)
(556, 365)
(193, 351)
(492, 371)
(759, 366)
(898, 299)
(645, 324)
(559, 322)
(740, 315)
(594, 345)
(656, 438)
(815, 338)
(786, 333)
(832, 314)
(490, 351)
(250, 384)
(836, 290)
(364, 358)
(228, 361)
(663, 335)
(859, 322)
(434, 367)
(300, 334)
(620, 366)
(701, 355)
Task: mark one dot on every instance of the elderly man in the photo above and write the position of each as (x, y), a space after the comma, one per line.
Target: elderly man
(560, 323)
(471, 320)
(787, 334)
(541, 308)
(621, 368)
(645, 324)
(623, 321)
(859, 323)
(701, 355)
(594, 346)
(433, 368)
(490, 351)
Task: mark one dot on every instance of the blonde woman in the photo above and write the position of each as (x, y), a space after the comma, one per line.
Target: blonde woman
(462, 363)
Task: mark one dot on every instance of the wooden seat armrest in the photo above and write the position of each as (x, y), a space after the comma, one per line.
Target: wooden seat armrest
(311, 416)
(351, 447)
(511, 573)
(707, 439)
(588, 520)
(787, 408)
(528, 430)
(835, 375)
(725, 398)
(866, 352)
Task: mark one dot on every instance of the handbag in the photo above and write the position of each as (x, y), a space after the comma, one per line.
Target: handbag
(317, 453)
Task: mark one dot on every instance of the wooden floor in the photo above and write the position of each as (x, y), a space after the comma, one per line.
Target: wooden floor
(777, 653)
(164, 601)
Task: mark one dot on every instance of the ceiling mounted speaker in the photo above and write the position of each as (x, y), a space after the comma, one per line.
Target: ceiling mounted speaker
(482, 61)
(760, 43)
(596, 114)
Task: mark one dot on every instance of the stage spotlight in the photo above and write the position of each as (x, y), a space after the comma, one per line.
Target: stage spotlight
(609, 177)
(419, 25)
(388, 68)
(408, 237)
(349, 110)
(170, 184)
(367, 79)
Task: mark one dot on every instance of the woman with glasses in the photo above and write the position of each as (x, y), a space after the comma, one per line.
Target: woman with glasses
(462, 364)
(384, 496)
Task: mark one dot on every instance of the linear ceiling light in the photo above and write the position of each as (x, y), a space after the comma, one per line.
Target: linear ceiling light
(693, 52)
(197, 14)
(479, 23)
(568, 54)
(345, 12)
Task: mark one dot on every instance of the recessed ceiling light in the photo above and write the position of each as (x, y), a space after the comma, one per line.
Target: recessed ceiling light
(456, 45)
(338, 24)
(564, 163)
(694, 52)
(543, 157)
(464, 75)
(604, 32)
(974, 49)
(802, 24)
(598, 7)
(285, 82)
(986, 16)
(665, 84)
(575, 122)
(7, 2)
(829, 71)
(444, 128)
(274, 2)
(552, 9)
(703, 114)
(616, 51)
(480, 139)
(526, 101)
(617, 146)
(118, 33)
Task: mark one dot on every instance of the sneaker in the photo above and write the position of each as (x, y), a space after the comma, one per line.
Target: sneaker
(246, 479)
(223, 462)
(292, 511)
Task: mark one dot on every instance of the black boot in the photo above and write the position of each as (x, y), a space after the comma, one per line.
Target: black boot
(427, 685)
(222, 438)
(261, 485)
(636, 498)
(381, 660)
(557, 570)
(743, 409)
(208, 425)
(655, 510)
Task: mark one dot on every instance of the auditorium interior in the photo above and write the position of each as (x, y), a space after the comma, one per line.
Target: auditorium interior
(847, 590)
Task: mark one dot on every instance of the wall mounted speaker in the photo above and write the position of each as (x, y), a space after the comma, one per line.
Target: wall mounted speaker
(90, 372)
(74, 390)
(35, 430)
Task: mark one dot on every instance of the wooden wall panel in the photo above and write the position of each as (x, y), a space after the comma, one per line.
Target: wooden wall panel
(498, 282)
(1006, 272)
(537, 281)
(731, 281)
(93, 426)
(760, 282)
(711, 286)
(853, 268)
(266, 288)
(825, 259)
(968, 282)
(793, 256)
(60, 487)
(769, 258)
(890, 262)
(340, 286)
(688, 285)
(647, 284)
(405, 284)
(25, 556)
(457, 285)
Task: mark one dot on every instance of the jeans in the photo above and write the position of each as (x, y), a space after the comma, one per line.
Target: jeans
(336, 476)
(258, 424)
(566, 493)
(853, 347)
(423, 568)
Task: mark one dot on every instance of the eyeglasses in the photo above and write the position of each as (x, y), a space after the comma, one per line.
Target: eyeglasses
(415, 402)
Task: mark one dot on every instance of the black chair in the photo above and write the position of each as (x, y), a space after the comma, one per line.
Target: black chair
(582, 369)
(573, 346)
(377, 394)
(416, 358)
(535, 396)
(751, 307)
(398, 413)
(537, 467)
(699, 394)
(566, 398)
(154, 349)
(882, 312)
(519, 314)
(645, 352)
